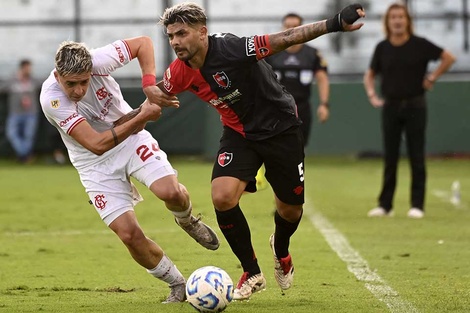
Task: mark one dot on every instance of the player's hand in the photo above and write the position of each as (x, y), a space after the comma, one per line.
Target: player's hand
(376, 101)
(156, 96)
(428, 84)
(351, 14)
(323, 113)
(150, 111)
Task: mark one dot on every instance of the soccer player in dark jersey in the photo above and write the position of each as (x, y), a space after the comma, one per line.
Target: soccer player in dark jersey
(401, 61)
(297, 67)
(260, 125)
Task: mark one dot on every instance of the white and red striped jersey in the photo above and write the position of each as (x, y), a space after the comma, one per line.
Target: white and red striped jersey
(100, 107)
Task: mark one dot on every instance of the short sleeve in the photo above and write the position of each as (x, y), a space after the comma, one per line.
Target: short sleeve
(432, 51)
(375, 61)
(320, 63)
(60, 111)
(110, 57)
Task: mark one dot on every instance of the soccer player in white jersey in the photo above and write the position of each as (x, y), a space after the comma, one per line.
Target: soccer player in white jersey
(83, 101)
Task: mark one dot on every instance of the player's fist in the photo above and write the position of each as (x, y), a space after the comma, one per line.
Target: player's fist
(151, 111)
(344, 20)
(161, 98)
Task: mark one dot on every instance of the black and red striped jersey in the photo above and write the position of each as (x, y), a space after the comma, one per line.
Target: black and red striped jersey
(239, 84)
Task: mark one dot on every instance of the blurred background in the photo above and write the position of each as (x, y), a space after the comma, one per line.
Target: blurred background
(34, 29)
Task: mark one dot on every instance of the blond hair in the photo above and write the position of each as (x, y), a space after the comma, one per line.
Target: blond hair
(73, 58)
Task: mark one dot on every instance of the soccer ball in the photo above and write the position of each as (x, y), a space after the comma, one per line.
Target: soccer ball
(209, 289)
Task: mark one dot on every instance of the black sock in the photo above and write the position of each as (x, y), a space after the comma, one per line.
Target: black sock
(235, 228)
(284, 230)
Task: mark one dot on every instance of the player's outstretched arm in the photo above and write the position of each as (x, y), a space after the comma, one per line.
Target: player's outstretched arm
(341, 22)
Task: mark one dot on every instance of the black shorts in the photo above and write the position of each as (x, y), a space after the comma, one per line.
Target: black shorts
(283, 157)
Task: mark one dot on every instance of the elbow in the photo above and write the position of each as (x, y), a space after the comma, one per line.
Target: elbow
(146, 41)
(452, 59)
(97, 151)
(449, 58)
(101, 148)
(368, 78)
(98, 148)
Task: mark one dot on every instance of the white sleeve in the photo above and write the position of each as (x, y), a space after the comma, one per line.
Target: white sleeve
(59, 110)
(110, 57)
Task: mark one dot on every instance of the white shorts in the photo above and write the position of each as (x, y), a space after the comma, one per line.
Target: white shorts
(108, 182)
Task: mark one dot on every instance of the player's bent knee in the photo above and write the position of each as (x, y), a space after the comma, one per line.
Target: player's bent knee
(131, 237)
(223, 201)
(172, 195)
(291, 213)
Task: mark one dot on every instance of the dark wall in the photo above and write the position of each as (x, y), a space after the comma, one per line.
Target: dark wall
(354, 125)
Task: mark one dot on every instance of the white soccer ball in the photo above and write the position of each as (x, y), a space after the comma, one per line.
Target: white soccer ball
(209, 289)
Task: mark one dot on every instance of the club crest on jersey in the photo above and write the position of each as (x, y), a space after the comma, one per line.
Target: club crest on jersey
(55, 104)
(263, 51)
(222, 79)
(225, 158)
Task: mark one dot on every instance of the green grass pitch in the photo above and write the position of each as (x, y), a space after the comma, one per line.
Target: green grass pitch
(56, 255)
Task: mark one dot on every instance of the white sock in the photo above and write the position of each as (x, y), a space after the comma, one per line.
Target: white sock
(167, 271)
(184, 217)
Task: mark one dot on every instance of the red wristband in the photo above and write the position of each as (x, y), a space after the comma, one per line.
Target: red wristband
(149, 80)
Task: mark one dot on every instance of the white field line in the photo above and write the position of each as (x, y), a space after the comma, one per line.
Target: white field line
(75, 232)
(444, 196)
(356, 264)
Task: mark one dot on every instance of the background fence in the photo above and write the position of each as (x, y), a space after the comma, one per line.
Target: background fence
(34, 29)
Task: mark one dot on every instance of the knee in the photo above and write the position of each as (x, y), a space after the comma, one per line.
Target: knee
(131, 236)
(223, 201)
(172, 195)
(291, 213)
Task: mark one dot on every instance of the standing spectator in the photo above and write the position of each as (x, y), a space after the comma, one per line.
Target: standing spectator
(23, 106)
(296, 67)
(401, 60)
(260, 125)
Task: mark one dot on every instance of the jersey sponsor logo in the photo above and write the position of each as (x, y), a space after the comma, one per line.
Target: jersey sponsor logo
(292, 60)
(99, 202)
(231, 97)
(222, 79)
(166, 81)
(119, 52)
(220, 35)
(250, 46)
(68, 119)
(225, 158)
(55, 104)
